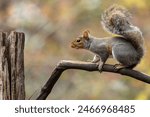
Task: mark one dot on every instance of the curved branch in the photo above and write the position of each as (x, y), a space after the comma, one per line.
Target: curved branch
(88, 66)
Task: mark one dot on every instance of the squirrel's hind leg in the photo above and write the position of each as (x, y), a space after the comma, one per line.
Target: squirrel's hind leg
(126, 55)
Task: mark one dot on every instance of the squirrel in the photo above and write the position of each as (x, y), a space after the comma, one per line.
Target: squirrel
(126, 46)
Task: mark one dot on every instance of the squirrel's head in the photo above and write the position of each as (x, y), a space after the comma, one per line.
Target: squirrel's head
(81, 41)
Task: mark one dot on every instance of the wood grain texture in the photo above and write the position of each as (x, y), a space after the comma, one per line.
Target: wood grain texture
(12, 65)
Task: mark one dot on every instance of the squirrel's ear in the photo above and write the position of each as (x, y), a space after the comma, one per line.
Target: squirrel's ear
(86, 34)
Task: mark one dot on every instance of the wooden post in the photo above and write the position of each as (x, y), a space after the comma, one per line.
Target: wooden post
(12, 66)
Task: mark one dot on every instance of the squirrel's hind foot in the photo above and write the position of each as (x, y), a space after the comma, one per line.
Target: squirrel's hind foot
(118, 67)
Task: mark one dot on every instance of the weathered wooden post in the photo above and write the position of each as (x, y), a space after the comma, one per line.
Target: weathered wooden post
(12, 85)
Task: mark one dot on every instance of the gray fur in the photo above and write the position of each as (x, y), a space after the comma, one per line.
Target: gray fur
(122, 50)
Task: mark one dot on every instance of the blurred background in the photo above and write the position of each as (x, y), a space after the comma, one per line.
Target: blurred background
(50, 26)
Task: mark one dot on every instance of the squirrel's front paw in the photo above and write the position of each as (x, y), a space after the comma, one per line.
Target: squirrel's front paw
(100, 66)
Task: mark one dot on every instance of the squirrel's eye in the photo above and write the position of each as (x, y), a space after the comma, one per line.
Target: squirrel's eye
(78, 40)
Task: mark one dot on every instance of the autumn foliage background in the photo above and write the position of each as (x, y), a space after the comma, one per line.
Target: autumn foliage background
(50, 26)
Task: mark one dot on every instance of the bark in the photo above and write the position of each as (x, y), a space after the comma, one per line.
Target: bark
(12, 65)
(65, 65)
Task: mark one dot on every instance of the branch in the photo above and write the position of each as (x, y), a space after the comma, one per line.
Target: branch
(88, 66)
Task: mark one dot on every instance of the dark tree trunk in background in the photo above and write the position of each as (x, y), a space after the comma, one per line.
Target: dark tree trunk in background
(12, 85)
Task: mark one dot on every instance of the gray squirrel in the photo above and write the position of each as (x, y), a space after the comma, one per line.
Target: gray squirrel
(127, 46)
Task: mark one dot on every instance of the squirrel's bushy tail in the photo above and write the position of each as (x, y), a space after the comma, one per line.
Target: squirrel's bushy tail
(117, 20)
